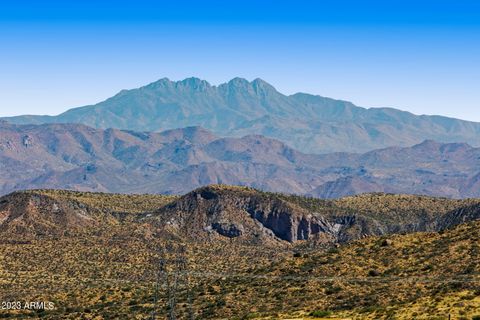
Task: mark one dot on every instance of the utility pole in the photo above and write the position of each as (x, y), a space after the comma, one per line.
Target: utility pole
(159, 277)
(172, 274)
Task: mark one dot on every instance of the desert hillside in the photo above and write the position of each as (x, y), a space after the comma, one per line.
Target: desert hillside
(243, 254)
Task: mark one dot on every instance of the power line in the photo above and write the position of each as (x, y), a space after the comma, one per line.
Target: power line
(220, 275)
(173, 273)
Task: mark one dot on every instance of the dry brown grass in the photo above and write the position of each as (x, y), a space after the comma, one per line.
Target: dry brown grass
(128, 203)
(109, 271)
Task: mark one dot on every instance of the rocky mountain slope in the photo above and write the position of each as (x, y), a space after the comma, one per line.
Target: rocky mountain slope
(305, 122)
(69, 156)
(97, 255)
(54, 213)
(225, 212)
(243, 212)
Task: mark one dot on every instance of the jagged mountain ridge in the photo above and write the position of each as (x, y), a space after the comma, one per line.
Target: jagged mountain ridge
(305, 122)
(70, 156)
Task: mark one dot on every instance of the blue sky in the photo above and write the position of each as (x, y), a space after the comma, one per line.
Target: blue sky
(421, 57)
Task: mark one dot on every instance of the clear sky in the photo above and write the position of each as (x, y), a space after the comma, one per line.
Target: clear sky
(420, 56)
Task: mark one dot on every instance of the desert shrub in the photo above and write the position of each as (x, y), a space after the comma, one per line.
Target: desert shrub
(373, 273)
(320, 313)
(332, 290)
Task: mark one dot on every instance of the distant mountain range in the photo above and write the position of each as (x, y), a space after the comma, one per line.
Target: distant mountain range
(309, 123)
(239, 248)
(73, 156)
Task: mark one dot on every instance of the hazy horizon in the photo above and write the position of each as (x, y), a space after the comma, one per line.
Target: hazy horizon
(422, 58)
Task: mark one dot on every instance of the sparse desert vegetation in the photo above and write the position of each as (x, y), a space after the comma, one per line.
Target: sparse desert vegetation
(108, 269)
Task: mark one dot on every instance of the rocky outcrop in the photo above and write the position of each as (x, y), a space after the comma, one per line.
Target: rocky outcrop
(237, 211)
(459, 216)
(35, 214)
(247, 213)
(230, 230)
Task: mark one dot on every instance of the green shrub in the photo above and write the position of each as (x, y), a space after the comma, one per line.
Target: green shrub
(320, 313)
